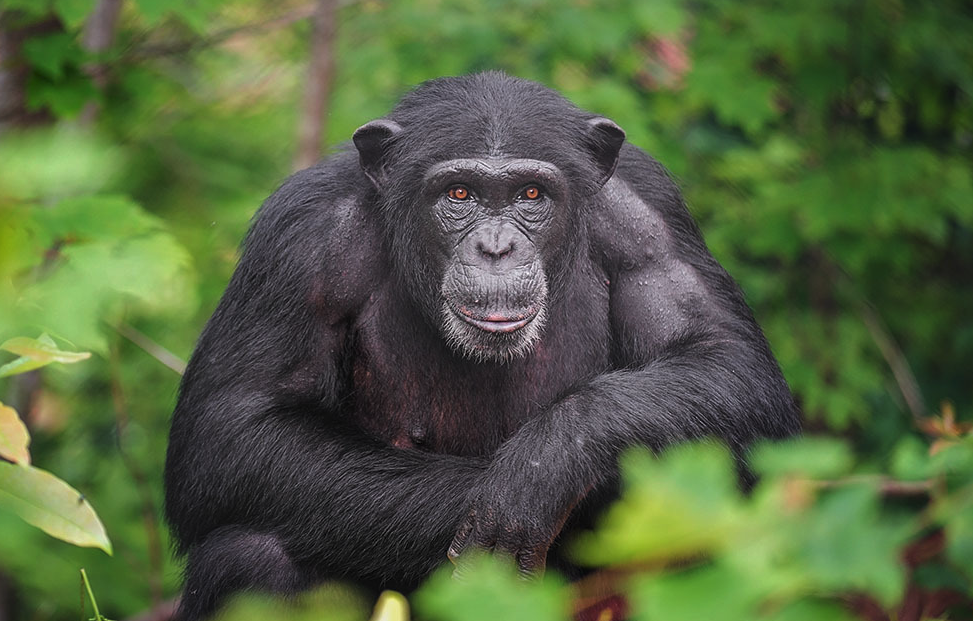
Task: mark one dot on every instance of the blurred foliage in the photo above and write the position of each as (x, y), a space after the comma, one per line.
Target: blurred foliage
(824, 146)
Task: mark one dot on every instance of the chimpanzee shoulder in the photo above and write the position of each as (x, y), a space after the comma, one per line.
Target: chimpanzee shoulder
(317, 234)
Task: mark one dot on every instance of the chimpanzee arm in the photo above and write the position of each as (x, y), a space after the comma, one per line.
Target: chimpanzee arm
(690, 362)
(265, 486)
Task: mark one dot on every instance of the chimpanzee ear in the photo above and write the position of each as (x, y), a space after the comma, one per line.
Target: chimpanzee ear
(605, 139)
(373, 141)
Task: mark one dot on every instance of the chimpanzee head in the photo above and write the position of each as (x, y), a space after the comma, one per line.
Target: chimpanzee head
(483, 187)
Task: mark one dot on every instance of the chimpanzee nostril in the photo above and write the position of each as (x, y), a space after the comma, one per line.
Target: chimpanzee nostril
(497, 243)
(495, 251)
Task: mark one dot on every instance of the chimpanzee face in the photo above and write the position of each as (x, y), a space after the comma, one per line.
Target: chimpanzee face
(496, 217)
(480, 220)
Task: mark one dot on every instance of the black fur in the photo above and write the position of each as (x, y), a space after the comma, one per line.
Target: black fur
(327, 429)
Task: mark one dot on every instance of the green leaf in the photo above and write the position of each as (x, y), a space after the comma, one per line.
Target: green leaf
(490, 590)
(50, 54)
(73, 12)
(910, 459)
(47, 502)
(709, 592)
(13, 436)
(681, 505)
(844, 546)
(100, 217)
(37, 353)
(65, 97)
(811, 457)
(60, 162)
(956, 514)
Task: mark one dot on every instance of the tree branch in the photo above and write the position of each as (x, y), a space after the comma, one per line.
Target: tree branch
(152, 348)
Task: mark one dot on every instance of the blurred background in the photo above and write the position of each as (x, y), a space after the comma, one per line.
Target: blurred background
(825, 147)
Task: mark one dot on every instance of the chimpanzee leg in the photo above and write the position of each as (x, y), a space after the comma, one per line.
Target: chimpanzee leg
(233, 559)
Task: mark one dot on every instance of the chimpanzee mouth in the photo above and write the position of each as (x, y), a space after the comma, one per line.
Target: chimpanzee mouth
(497, 322)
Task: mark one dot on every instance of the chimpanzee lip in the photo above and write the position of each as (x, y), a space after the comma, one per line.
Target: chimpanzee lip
(496, 322)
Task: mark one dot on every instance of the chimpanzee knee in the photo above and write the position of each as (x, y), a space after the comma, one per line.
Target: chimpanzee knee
(233, 559)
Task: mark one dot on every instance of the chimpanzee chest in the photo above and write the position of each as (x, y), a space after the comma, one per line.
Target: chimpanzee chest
(410, 390)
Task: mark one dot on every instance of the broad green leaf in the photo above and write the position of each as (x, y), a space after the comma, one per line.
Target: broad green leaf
(846, 545)
(101, 217)
(50, 54)
(74, 12)
(13, 436)
(64, 97)
(490, 590)
(63, 161)
(36, 353)
(47, 502)
(956, 514)
(709, 592)
(813, 457)
(681, 505)
(910, 459)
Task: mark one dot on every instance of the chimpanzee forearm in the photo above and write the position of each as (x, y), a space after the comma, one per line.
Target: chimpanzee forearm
(710, 387)
(337, 502)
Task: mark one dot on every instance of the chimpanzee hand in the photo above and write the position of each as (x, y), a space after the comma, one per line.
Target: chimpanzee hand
(521, 502)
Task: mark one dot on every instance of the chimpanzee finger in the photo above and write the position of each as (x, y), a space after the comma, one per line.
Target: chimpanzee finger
(462, 536)
(531, 562)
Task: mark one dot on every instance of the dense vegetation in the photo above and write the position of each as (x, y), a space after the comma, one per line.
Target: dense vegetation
(825, 146)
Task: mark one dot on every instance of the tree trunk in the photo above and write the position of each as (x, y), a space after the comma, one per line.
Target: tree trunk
(311, 132)
(14, 71)
(99, 33)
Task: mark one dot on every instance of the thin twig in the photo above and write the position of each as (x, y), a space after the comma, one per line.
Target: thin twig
(887, 486)
(152, 348)
(220, 36)
(895, 358)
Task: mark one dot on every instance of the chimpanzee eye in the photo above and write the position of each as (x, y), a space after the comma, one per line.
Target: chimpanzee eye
(530, 193)
(458, 193)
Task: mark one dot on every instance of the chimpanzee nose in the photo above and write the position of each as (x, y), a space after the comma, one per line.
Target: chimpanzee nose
(497, 242)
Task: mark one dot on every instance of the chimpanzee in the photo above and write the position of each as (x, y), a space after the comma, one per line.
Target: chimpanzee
(443, 339)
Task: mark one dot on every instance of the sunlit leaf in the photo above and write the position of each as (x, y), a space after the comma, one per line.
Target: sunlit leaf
(685, 504)
(391, 606)
(55, 163)
(52, 505)
(36, 353)
(490, 589)
(13, 436)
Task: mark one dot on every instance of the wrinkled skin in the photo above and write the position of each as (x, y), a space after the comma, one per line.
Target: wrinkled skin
(442, 339)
